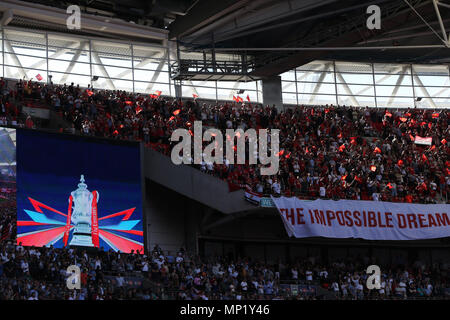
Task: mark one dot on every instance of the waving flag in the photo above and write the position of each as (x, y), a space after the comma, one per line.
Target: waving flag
(422, 140)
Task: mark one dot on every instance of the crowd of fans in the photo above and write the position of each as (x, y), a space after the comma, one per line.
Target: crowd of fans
(328, 151)
(7, 221)
(28, 273)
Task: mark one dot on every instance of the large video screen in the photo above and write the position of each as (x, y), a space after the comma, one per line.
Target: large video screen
(78, 192)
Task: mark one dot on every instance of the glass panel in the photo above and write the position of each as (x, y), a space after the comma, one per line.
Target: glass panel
(151, 76)
(393, 79)
(290, 76)
(383, 68)
(69, 67)
(19, 73)
(315, 76)
(143, 52)
(307, 98)
(289, 98)
(68, 54)
(288, 86)
(325, 88)
(83, 81)
(357, 101)
(385, 102)
(350, 78)
(151, 64)
(25, 61)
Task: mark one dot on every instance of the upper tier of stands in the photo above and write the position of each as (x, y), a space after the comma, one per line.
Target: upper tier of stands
(326, 151)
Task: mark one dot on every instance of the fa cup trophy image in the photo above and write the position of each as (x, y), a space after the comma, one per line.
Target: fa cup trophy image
(84, 215)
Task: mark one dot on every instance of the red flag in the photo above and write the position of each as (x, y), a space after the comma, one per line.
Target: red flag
(195, 96)
(400, 162)
(373, 168)
(138, 109)
(176, 112)
(288, 155)
(89, 92)
(343, 177)
(190, 132)
(280, 153)
(353, 140)
(388, 114)
(116, 132)
(239, 99)
(377, 150)
(341, 148)
(234, 99)
(248, 98)
(158, 93)
(424, 157)
(358, 179)
(171, 118)
(443, 141)
(68, 226)
(435, 115)
(340, 135)
(39, 77)
(389, 185)
(94, 221)
(153, 96)
(403, 119)
(128, 102)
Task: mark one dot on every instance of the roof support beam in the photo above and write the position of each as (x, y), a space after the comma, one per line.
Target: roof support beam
(397, 86)
(424, 89)
(441, 24)
(75, 58)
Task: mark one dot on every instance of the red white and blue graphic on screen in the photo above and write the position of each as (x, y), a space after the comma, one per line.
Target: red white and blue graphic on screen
(56, 207)
(48, 226)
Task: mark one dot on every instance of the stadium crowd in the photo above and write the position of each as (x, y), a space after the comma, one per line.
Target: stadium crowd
(326, 151)
(29, 273)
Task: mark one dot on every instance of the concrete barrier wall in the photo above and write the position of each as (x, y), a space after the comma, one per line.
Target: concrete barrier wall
(194, 184)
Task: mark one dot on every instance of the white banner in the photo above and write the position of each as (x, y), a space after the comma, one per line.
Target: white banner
(371, 220)
(421, 140)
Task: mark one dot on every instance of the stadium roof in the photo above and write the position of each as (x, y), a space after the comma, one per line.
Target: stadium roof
(249, 26)
(315, 23)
